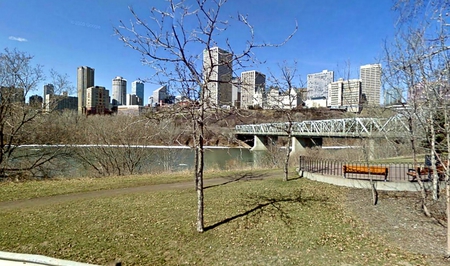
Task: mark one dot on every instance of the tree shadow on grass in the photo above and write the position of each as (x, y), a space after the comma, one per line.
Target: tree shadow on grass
(294, 178)
(238, 177)
(272, 205)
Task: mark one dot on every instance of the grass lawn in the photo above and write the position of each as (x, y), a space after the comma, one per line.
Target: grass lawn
(262, 222)
(40, 188)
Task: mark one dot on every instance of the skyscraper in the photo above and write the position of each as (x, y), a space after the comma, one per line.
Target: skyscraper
(119, 91)
(49, 89)
(97, 100)
(252, 82)
(236, 92)
(137, 88)
(160, 95)
(345, 94)
(217, 73)
(317, 84)
(85, 79)
(371, 83)
(393, 96)
(351, 95)
(335, 93)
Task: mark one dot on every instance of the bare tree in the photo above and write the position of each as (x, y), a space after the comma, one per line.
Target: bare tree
(116, 145)
(18, 77)
(284, 97)
(170, 41)
(420, 62)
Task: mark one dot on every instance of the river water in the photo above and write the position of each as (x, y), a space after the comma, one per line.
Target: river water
(215, 158)
(146, 159)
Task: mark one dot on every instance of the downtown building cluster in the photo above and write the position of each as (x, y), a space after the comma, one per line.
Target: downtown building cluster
(350, 95)
(223, 90)
(249, 91)
(93, 99)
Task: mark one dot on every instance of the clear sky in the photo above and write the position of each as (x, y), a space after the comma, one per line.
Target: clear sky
(65, 34)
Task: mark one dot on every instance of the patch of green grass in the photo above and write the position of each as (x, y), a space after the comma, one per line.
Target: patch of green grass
(264, 222)
(34, 189)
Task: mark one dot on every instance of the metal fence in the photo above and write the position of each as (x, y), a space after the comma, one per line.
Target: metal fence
(396, 171)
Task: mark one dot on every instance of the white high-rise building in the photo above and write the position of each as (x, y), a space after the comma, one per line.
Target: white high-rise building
(317, 84)
(85, 79)
(351, 95)
(345, 94)
(335, 93)
(253, 84)
(217, 73)
(371, 83)
(137, 88)
(119, 91)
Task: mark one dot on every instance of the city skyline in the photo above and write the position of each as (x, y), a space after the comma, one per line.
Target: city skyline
(250, 87)
(324, 40)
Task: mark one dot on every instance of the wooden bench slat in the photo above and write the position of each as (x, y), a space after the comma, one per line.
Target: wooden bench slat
(359, 169)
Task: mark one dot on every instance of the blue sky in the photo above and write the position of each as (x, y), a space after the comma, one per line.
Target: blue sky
(332, 34)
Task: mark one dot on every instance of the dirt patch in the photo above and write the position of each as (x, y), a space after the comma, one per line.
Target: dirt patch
(399, 219)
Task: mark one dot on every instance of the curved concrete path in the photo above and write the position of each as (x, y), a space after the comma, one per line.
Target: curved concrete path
(362, 183)
(57, 199)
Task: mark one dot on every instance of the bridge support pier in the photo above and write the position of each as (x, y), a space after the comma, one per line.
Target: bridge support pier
(300, 144)
(261, 142)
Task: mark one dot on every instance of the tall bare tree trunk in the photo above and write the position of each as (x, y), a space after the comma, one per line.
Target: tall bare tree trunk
(199, 188)
(423, 192)
(447, 190)
(435, 176)
(288, 154)
(199, 165)
(447, 176)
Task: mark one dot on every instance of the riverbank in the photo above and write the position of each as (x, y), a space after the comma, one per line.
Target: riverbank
(263, 222)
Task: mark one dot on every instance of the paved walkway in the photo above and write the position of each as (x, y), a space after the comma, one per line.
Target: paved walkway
(58, 199)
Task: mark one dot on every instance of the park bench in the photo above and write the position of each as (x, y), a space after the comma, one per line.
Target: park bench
(360, 169)
(427, 171)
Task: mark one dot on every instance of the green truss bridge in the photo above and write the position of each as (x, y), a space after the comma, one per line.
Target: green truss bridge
(310, 133)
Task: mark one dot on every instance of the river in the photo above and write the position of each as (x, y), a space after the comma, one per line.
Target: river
(145, 159)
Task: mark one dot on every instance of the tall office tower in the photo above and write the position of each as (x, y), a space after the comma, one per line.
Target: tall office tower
(97, 100)
(35, 101)
(85, 79)
(345, 94)
(132, 99)
(371, 83)
(393, 96)
(317, 84)
(119, 91)
(236, 92)
(335, 93)
(218, 72)
(49, 89)
(253, 85)
(160, 95)
(351, 95)
(137, 88)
